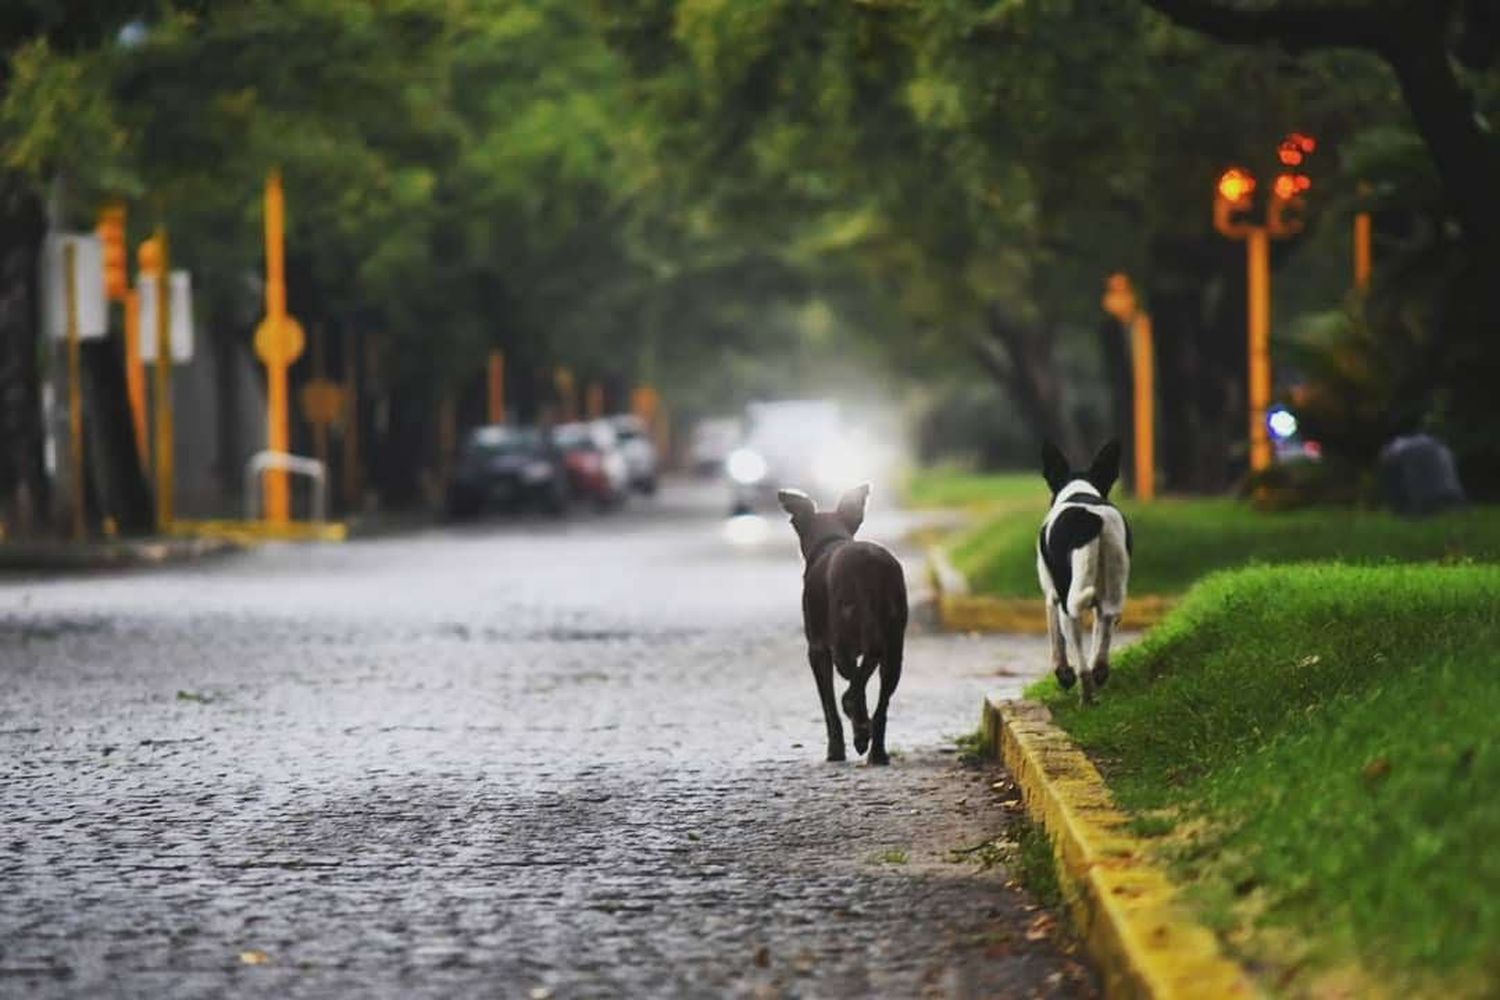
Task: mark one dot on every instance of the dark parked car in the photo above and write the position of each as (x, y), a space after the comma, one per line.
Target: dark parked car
(596, 467)
(508, 468)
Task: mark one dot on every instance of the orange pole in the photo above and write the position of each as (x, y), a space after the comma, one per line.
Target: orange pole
(278, 498)
(162, 389)
(1258, 252)
(75, 387)
(566, 395)
(351, 423)
(595, 400)
(1143, 363)
(1362, 255)
(497, 387)
(135, 375)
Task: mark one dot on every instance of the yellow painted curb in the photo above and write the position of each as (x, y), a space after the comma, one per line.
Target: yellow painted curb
(1140, 936)
(961, 611)
(977, 613)
(249, 532)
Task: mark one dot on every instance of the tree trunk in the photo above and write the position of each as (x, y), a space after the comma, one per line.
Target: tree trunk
(1467, 159)
(23, 481)
(1019, 356)
(114, 462)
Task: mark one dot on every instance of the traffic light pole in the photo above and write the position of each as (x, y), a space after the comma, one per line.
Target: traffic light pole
(1258, 284)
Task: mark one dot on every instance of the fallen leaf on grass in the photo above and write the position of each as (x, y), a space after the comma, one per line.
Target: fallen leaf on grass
(1377, 769)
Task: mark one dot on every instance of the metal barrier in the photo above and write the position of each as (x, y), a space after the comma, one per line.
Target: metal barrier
(297, 465)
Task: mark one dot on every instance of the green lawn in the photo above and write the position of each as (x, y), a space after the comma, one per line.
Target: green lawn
(948, 487)
(1177, 541)
(1320, 748)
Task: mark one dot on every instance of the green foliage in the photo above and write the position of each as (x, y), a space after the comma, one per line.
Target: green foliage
(1324, 735)
(1178, 541)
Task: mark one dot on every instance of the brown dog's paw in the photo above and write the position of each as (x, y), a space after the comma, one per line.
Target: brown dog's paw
(1066, 677)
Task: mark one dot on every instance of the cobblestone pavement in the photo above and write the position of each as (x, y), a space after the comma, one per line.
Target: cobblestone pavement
(514, 759)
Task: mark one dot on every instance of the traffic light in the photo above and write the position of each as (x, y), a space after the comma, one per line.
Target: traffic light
(111, 232)
(1233, 198)
(1284, 212)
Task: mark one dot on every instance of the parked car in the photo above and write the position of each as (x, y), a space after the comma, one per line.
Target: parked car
(507, 468)
(595, 465)
(713, 439)
(640, 453)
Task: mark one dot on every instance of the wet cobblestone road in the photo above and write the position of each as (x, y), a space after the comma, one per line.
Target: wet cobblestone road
(516, 759)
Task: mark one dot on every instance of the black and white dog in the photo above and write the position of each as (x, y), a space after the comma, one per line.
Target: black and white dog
(1083, 560)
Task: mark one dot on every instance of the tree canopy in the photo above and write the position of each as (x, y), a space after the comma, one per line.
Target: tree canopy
(684, 190)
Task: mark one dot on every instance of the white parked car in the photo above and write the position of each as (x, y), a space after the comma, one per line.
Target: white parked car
(641, 464)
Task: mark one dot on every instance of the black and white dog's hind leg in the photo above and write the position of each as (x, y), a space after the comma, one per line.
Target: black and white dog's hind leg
(1066, 677)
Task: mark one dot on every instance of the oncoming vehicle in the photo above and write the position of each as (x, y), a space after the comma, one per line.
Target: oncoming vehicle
(595, 466)
(640, 454)
(797, 442)
(713, 439)
(507, 468)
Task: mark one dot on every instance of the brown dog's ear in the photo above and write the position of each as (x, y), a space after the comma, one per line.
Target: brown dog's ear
(852, 507)
(796, 503)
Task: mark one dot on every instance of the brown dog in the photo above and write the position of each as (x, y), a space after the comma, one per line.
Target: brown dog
(854, 614)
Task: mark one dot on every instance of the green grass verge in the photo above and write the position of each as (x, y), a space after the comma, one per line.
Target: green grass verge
(1177, 541)
(948, 487)
(1323, 742)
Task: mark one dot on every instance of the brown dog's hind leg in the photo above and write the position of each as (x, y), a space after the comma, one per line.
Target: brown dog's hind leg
(821, 661)
(854, 699)
(890, 676)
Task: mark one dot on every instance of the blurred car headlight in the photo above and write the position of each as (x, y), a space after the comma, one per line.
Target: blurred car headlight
(745, 466)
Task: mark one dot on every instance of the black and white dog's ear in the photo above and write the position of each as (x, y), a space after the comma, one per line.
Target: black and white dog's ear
(852, 507)
(1055, 467)
(1105, 468)
(796, 503)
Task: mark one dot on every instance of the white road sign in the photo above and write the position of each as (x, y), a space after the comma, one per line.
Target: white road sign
(88, 285)
(181, 335)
